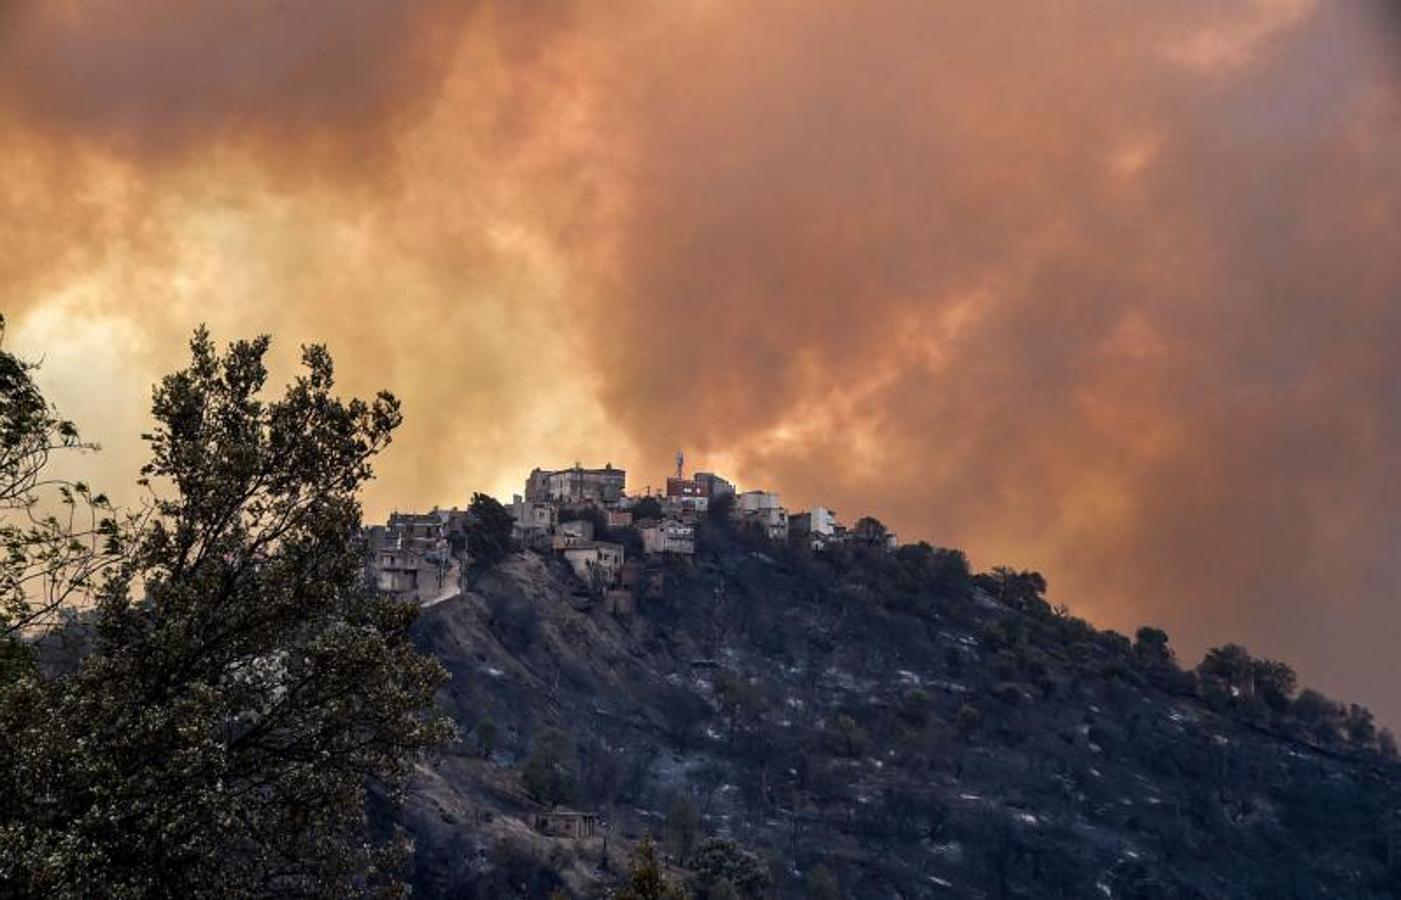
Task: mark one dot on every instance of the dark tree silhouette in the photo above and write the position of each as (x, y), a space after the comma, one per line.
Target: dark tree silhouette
(244, 687)
(489, 528)
(647, 508)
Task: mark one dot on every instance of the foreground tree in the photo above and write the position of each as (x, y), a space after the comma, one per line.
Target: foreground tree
(245, 688)
(57, 537)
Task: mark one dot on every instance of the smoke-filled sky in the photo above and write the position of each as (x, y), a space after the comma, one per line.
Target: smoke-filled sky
(1105, 288)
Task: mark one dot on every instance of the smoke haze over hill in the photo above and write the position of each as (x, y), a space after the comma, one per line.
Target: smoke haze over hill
(1104, 289)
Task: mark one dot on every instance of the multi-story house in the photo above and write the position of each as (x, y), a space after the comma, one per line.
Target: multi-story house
(578, 485)
(597, 563)
(668, 536)
(763, 507)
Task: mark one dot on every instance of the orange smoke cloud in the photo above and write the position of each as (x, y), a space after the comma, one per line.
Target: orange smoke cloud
(1103, 288)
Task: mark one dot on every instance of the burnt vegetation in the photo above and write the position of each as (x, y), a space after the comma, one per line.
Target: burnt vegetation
(873, 723)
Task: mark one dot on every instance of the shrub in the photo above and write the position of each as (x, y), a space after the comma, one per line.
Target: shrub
(847, 738)
(549, 776)
(682, 826)
(645, 878)
(720, 861)
(968, 720)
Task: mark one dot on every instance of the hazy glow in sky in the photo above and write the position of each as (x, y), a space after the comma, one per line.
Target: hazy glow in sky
(1104, 288)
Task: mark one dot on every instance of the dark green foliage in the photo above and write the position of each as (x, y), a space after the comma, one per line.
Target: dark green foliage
(1151, 645)
(645, 878)
(1312, 708)
(846, 737)
(740, 699)
(1359, 725)
(1022, 591)
(720, 864)
(16, 659)
(682, 828)
(485, 734)
(551, 773)
(720, 511)
(590, 513)
(1274, 683)
(602, 773)
(915, 708)
(1230, 665)
(646, 508)
(1257, 688)
(1158, 663)
(821, 884)
(516, 872)
(489, 527)
(24, 413)
(624, 535)
(870, 530)
(968, 720)
(944, 571)
(59, 539)
(221, 733)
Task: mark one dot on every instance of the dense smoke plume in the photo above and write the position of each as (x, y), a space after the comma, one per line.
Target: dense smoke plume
(1105, 288)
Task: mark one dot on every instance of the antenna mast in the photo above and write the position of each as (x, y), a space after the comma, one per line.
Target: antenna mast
(680, 461)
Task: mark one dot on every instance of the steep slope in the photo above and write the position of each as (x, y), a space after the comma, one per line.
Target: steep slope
(910, 731)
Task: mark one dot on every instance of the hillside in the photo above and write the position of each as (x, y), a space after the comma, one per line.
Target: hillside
(868, 723)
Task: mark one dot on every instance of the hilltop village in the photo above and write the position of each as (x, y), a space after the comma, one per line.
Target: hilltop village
(820, 716)
(607, 536)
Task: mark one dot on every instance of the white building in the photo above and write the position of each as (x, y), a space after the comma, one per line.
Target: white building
(823, 521)
(597, 563)
(410, 558)
(603, 486)
(763, 507)
(396, 571)
(533, 521)
(756, 501)
(668, 536)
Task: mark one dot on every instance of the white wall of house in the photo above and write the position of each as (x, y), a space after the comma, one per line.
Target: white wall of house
(601, 557)
(756, 501)
(824, 521)
(669, 537)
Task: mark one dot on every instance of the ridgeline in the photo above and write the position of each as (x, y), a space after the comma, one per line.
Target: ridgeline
(868, 722)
